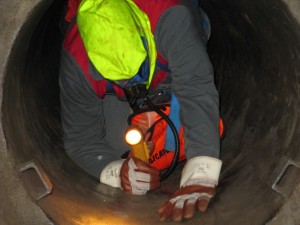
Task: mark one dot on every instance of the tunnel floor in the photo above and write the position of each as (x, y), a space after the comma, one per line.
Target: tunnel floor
(256, 60)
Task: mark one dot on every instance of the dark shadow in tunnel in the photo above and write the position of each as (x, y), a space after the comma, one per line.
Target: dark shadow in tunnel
(254, 48)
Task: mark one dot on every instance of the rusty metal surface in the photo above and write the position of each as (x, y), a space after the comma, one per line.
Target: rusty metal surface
(256, 60)
(35, 180)
(289, 213)
(16, 206)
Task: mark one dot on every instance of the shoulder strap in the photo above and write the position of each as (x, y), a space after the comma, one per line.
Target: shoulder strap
(162, 66)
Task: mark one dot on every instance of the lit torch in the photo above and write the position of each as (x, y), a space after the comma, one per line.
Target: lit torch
(135, 138)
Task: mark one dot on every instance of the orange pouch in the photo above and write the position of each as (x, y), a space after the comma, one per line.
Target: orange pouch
(155, 129)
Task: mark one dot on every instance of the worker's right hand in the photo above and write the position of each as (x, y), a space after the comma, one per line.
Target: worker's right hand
(137, 177)
(132, 174)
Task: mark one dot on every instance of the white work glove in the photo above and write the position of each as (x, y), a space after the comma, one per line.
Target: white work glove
(132, 175)
(110, 175)
(198, 181)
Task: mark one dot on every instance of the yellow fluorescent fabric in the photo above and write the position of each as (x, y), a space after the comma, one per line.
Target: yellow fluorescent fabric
(111, 31)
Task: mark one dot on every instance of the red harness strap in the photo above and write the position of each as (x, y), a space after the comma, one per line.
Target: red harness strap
(154, 9)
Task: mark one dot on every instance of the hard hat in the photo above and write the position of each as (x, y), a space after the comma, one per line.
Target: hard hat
(118, 38)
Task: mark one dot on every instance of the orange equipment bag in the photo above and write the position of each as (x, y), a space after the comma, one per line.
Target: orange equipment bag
(155, 131)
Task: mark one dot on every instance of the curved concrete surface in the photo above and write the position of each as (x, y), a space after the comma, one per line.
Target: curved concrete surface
(255, 49)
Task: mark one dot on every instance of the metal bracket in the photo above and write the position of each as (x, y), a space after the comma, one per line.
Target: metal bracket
(35, 180)
(280, 190)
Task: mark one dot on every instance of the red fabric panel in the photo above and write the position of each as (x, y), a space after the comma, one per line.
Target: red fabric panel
(74, 45)
(72, 9)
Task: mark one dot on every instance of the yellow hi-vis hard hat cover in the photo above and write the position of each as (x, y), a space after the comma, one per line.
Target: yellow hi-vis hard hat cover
(111, 31)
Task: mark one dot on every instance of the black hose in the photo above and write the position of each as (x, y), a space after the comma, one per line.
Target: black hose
(173, 165)
(139, 91)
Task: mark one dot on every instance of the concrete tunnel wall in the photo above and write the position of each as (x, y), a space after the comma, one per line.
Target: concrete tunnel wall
(255, 51)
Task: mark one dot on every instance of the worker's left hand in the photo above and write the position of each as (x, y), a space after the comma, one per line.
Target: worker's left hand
(199, 178)
(185, 202)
